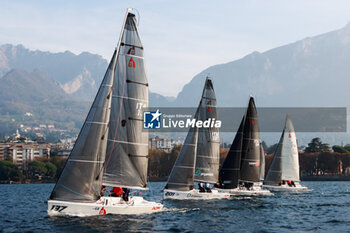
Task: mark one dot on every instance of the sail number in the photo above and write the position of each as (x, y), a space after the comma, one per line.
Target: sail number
(169, 194)
(58, 208)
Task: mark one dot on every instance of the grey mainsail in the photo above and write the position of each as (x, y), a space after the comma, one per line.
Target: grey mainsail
(81, 178)
(208, 145)
(285, 163)
(181, 177)
(127, 148)
(262, 162)
(250, 158)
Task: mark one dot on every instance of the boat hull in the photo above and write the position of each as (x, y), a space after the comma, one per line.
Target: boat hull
(254, 191)
(106, 205)
(286, 188)
(194, 195)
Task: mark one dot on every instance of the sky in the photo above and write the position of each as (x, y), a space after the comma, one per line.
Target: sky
(181, 37)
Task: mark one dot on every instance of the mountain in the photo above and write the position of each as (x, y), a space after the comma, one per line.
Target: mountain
(311, 72)
(78, 75)
(36, 93)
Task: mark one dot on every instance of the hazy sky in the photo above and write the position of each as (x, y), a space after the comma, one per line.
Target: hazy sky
(181, 37)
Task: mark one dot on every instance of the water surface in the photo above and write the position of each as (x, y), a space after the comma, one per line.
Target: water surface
(325, 209)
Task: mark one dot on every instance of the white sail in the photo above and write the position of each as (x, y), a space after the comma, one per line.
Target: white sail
(290, 156)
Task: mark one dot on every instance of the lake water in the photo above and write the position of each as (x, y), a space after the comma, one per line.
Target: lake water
(325, 209)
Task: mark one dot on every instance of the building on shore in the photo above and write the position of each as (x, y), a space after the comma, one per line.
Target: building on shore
(160, 144)
(22, 153)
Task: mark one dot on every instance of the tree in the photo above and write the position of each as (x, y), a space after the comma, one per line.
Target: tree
(316, 145)
(36, 168)
(339, 149)
(272, 149)
(51, 169)
(264, 145)
(9, 171)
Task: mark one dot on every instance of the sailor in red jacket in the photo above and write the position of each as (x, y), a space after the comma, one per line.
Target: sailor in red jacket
(116, 192)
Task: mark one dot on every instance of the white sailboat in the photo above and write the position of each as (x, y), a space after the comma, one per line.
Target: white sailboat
(111, 148)
(242, 169)
(198, 160)
(283, 174)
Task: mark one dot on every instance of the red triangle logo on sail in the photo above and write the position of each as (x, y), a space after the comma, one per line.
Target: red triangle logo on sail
(102, 211)
(209, 103)
(290, 135)
(252, 122)
(131, 63)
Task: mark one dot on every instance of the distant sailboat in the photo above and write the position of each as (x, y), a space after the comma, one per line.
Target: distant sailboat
(111, 148)
(241, 171)
(198, 160)
(283, 173)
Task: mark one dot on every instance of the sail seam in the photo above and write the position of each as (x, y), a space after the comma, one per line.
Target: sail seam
(85, 161)
(96, 122)
(184, 167)
(125, 142)
(132, 55)
(130, 98)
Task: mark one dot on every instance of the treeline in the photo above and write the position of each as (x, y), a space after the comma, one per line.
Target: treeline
(46, 170)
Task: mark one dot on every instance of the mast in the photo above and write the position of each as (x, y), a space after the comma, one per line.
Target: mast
(127, 147)
(208, 145)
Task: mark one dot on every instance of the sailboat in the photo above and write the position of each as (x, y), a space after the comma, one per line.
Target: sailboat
(241, 171)
(198, 160)
(283, 174)
(111, 148)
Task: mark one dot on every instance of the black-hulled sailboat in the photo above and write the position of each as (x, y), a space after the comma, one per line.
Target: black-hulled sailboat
(241, 171)
(111, 148)
(198, 160)
(283, 174)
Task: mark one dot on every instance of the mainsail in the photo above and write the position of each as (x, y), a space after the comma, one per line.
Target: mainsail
(243, 160)
(81, 178)
(208, 145)
(182, 175)
(285, 163)
(127, 148)
(250, 159)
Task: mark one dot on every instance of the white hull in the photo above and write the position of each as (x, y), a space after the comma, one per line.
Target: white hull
(286, 188)
(106, 205)
(253, 191)
(194, 195)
